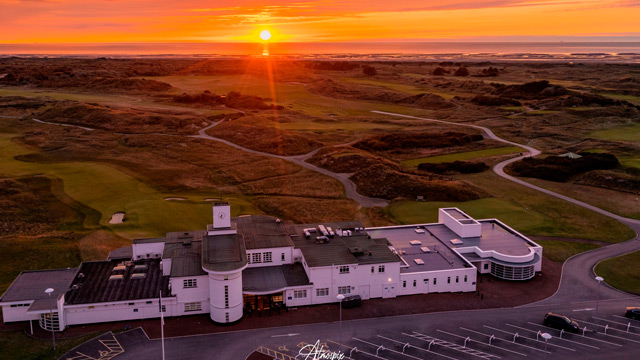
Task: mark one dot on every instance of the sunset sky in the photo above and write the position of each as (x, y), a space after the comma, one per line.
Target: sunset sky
(86, 21)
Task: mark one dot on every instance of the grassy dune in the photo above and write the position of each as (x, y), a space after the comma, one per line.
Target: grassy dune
(463, 156)
(622, 272)
(619, 133)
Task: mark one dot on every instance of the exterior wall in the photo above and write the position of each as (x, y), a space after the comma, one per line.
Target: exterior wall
(193, 294)
(407, 280)
(472, 229)
(290, 299)
(165, 265)
(18, 313)
(218, 308)
(120, 311)
(153, 250)
(276, 256)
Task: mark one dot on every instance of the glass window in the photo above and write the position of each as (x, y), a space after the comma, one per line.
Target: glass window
(299, 294)
(344, 290)
(266, 257)
(322, 292)
(344, 269)
(256, 258)
(381, 268)
(192, 306)
(190, 283)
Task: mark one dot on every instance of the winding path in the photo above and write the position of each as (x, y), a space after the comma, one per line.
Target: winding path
(578, 276)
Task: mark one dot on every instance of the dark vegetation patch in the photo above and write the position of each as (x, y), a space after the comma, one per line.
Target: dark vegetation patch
(121, 120)
(347, 161)
(428, 101)
(611, 180)
(332, 65)
(561, 169)
(399, 141)
(233, 99)
(28, 207)
(530, 91)
(461, 167)
(265, 138)
(20, 103)
(488, 100)
(385, 182)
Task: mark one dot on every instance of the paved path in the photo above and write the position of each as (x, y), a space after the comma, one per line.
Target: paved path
(577, 281)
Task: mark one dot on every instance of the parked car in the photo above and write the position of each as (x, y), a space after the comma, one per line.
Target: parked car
(633, 312)
(351, 301)
(561, 322)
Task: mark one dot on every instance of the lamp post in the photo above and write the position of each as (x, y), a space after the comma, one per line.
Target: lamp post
(599, 280)
(340, 297)
(53, 334)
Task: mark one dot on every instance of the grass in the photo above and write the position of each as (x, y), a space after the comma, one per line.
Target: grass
(107, 190)
(414, 212)
(622, 272)
(463, 156)
(559, 251)
(630, 98)
(17, 345)
(513, 108)
(403, 88)
(541, 112)
(629, 132)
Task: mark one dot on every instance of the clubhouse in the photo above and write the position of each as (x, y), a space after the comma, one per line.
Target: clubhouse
(254, 263)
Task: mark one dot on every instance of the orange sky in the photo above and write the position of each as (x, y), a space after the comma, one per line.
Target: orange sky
(71, 21)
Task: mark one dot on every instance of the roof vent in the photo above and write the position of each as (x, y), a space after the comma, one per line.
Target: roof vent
(138, 276)
(120, 268)
(80, 275)
(140, 267)
(116, 277)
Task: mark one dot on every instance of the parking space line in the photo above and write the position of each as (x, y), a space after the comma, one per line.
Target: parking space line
(613, 336)
(528, 338)
(582, 336)
(480, 342)
(415, 347)
(515, 343)
(367, 353)
(619, 323)
(496, 338)
(449, 345)
(626, 318)
(339, 345)
(383, 348)
(556, 338)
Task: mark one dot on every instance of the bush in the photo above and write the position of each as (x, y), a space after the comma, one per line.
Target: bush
(369, 70)
(561, 169)
(462, 71)
(463, 167)
(439, 71)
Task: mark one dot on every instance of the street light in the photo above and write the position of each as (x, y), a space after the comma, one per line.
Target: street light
(340, 297)
(599, 280)
(53, 334)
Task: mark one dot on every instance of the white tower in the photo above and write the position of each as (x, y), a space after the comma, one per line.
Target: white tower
(221, 215)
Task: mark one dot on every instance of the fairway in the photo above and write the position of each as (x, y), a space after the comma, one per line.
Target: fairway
(463, 156)
(109, 190)
(619, 133)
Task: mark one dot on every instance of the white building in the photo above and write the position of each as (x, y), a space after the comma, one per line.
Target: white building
(259, 263)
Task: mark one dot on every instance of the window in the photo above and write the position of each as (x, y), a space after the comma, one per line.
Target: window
(190, 283)
(426, 281)
(465, 278)
(344, 269)
(299, 294)
(373, 269)
(226, 296)
(248, 258)
(381, 268)
(457, 279)
(404, 283)
(282, 257)
(135, 310)
(149, 302)
(256, 258)
(322, 292)
(486, 266)
(266, 257)
(344, 290)
(414, 283)
(192, 306)
(164, 308)
(20, 305)
(435, 281)
(226, 317)
(448, 279)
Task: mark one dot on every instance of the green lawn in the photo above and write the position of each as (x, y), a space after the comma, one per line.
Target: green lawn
(17, 345)
(629, 132)
(622, 272)
(463, 156)
(630, 98)
(109, 190)
(560, 251)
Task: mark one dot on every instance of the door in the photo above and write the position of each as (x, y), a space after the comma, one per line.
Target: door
(389, 290)
(363, 291)
(425, 289)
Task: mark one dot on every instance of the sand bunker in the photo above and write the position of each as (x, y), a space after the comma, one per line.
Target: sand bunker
(176, 198)
(211, 199)
(117, 218)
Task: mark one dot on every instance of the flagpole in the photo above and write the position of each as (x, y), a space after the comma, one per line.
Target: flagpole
(161, 324)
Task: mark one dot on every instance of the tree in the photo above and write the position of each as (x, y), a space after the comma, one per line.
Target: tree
(462, 71)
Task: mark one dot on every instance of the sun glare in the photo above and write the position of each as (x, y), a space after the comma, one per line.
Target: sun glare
(265, 35)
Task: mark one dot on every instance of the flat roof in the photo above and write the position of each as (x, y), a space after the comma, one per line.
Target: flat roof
(273, 278)
(341, 250)
(262, 232)
(30, 285)
(223, 252)
(92, 285)
(125, 252)
(495, 236)
(185, 251)
(439, 257)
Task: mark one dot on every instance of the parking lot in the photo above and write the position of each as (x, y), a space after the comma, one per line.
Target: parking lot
(606, 336)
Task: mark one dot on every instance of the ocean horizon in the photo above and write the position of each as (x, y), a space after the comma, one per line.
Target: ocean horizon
(333, 49)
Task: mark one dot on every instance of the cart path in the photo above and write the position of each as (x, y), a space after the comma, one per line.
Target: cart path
(578, 276)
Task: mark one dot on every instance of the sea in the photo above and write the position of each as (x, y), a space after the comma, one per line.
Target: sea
(407, 51)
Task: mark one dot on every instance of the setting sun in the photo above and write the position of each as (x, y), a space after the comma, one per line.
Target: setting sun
(265, 35)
